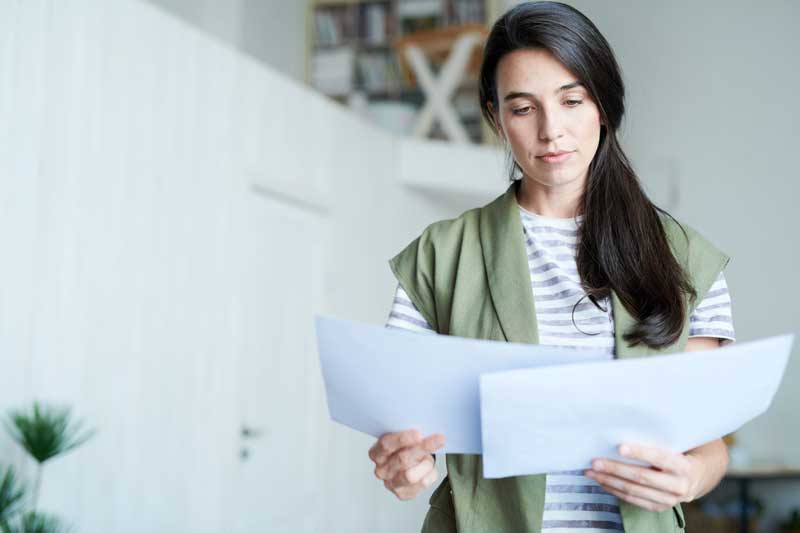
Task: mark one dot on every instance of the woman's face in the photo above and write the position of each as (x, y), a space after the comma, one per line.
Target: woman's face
(543, 108)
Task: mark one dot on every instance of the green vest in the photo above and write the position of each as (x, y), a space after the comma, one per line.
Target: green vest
(469, 277)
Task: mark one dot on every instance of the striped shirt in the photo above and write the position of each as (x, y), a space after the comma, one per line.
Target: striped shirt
(573, 502)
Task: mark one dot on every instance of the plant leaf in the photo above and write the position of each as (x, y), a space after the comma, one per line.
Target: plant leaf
(46, 431)
(11, 495)
(33, 522)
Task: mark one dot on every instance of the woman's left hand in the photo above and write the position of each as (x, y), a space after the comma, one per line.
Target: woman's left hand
(672, 478)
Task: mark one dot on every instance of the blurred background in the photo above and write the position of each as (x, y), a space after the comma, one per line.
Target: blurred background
(183, 183)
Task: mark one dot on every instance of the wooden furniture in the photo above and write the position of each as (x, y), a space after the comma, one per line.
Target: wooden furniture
(437, 45)
(745, 477)
(358, 51)
(457, 52)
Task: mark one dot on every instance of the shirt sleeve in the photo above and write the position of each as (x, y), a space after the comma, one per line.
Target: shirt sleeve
(405, 315)
(713, 317)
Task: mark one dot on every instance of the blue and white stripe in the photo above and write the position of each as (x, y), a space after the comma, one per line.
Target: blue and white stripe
(712, 318)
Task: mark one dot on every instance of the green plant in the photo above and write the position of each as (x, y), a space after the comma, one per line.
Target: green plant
(793, 522)
(11, 496)
(33, 522)
(46, 431)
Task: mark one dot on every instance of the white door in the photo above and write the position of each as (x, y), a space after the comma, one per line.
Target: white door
(280, 393)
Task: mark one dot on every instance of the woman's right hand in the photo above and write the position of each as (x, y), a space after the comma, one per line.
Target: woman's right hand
(403, 461)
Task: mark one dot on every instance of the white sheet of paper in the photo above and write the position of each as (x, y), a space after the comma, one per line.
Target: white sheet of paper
(380, 380)
(560, 418)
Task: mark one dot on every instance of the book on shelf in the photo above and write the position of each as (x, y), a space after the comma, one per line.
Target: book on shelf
(378, 72)
(419, 8)
(334, 26)
(419, 15)
(326, 30)
(467, 11)
(332, 70)
(373, 24)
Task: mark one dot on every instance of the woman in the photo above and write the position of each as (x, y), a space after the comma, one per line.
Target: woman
(573, 255)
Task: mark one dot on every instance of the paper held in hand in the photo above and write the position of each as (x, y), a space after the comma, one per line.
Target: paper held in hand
(533, 409)
(380, 380)
(560, 418)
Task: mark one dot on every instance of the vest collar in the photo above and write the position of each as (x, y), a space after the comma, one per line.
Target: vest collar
(506, 263)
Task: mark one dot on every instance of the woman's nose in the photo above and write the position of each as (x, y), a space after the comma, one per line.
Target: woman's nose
(550, 126)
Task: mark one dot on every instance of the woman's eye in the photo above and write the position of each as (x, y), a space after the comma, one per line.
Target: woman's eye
(525, 110)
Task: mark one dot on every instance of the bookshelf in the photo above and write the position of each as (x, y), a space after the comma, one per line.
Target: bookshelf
(352, 53)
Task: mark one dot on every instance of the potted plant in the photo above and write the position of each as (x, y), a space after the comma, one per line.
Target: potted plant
(11, 496)
(44, 431)
(791, 524)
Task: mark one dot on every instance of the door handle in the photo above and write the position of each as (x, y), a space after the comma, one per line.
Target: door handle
(251, 433)
(248, 433)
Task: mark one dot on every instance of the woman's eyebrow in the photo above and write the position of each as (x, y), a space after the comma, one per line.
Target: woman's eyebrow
(517, 94)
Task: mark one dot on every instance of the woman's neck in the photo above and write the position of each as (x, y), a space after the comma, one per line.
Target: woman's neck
(560, 201)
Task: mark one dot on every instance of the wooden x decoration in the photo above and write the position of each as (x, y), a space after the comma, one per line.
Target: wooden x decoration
(439, 91)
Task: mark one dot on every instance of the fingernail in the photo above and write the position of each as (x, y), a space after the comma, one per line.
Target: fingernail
(598, 465)
(624, 449)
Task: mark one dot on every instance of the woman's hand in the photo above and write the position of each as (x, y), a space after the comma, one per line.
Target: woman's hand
(672, 478)
(403, 461)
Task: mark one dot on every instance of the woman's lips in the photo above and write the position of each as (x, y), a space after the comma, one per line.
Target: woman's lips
(555, 158)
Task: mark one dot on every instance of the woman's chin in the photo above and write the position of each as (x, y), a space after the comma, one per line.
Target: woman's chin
(554, 178)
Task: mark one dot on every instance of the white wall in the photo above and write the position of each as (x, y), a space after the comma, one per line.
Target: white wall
(271, 31)
(145, 169)
(710, 106)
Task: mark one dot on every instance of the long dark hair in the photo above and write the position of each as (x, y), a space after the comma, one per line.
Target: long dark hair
(623, 245)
